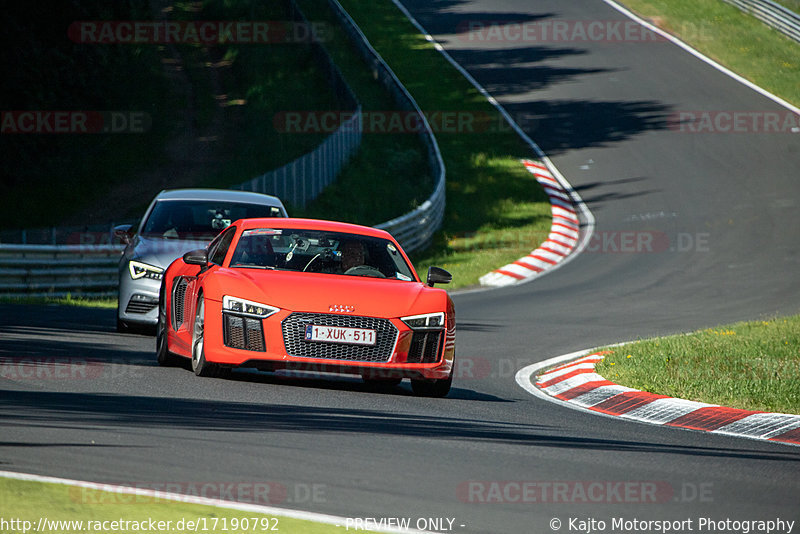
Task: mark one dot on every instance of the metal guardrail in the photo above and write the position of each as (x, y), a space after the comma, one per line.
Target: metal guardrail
(58, 270)
(415, 229)
(303, 179)
(782, 19)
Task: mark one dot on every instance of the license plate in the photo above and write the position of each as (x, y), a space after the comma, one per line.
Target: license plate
(335, 334)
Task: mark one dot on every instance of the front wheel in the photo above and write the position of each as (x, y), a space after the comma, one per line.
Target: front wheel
(200, 366)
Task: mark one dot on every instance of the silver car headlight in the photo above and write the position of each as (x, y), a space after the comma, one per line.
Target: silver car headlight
(143, 270)
(247, 307)
(427, 321)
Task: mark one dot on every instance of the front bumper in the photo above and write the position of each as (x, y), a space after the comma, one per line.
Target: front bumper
(138, 300)
(276, 343)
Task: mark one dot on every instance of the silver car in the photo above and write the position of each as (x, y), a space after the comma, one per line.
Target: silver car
(176, 222)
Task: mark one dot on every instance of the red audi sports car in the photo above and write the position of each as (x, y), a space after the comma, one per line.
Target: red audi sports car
(309, 295)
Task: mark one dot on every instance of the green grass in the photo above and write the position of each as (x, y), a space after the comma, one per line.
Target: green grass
(793, 5)
(733, 38)
(69, 300)
(496, 212)
(30, 501)
(752, 365)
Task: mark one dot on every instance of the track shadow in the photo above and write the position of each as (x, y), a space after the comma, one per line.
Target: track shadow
(51, 409)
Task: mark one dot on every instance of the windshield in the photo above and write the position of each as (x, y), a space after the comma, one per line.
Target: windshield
(199, 219)
(320, 252)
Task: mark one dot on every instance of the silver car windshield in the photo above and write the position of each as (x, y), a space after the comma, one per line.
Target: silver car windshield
(320, 252)
(199, 219)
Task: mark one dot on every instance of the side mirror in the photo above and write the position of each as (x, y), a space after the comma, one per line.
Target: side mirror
(196, 257)
(124, 233)
(437, 275)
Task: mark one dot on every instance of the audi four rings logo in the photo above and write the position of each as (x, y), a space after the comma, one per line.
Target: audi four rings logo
(341, 308)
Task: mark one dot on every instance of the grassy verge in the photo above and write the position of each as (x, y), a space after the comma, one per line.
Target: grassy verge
(793, 5)
(752, 365)
(30, 501)
(733, 38)
(496, 212)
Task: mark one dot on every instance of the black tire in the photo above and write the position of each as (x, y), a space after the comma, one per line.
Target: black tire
(200, 366)
(163, 355)
(433, 388)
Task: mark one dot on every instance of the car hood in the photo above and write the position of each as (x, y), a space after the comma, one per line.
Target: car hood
(317, 293)
(161, 252)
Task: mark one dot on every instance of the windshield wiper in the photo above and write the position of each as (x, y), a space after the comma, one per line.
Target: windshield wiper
(253, 266)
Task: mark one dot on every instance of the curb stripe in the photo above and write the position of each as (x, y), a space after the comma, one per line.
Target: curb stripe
(561, 241)
(761, 424)
(565, 376)
(599, 395)
(664, 410)
(793, 436)
(578, 391)
(510, 274)
(710, 418)
(574, 382)
(625, 402)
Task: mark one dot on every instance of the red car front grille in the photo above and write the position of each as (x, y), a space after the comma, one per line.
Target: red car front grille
(425, 347)
(246, 333)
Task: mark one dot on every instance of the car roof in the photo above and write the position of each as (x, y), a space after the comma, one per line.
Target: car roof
(227, 195)
(312, 224)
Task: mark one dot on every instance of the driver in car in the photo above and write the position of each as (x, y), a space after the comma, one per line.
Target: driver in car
(353, 255)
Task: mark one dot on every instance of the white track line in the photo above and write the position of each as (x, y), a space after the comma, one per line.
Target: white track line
(194, 499)
(699, 55)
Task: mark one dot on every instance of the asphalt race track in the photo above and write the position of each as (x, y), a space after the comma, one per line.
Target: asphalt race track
(723, 208)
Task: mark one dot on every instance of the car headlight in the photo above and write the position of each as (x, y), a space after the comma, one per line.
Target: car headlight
(143, 270)
(247, 307)
(425, 321)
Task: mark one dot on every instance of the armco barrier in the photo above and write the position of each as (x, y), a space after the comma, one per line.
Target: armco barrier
(772, 14)
(414, 229)
(58, 270)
